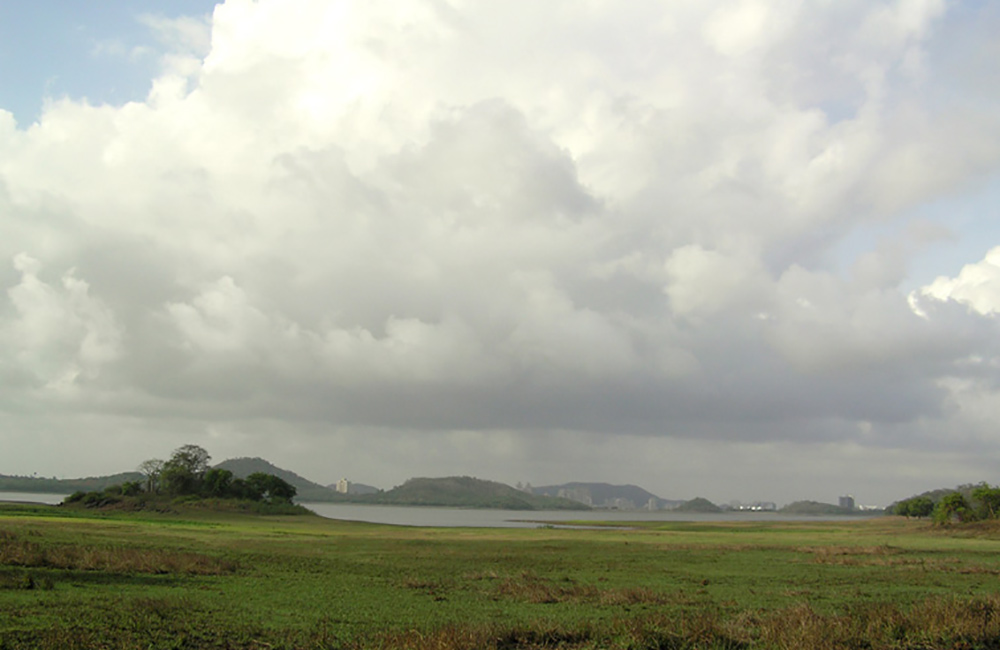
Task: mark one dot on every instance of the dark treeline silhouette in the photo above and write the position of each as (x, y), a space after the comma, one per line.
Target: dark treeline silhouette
(187, 474)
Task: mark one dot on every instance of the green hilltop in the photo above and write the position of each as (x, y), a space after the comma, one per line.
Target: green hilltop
(815, 508)
(306, 489)
(698, 504)
(466, 492)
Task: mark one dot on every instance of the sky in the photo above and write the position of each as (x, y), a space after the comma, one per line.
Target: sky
(744, 250)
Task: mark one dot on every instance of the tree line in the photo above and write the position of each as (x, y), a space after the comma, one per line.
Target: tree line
(187, 474)
(980, 502)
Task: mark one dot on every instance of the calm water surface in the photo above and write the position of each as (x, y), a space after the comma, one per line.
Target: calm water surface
(33, 497)
(460, 517)
(469, 518)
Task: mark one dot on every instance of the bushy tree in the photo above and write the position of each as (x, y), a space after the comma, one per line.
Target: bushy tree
(75, 497)
(987, 501)
(270, 487)
(217, 483)
(192, 458)
(177, 480)
(131, 488)
(915, 507)
(239, 489)
(952, 507)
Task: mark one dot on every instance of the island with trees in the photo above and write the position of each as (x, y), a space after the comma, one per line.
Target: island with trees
(187, 478)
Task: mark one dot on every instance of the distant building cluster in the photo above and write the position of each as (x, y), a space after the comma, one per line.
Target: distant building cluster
(581, 495)
(755, 506)
(343, 486)
(585, 494)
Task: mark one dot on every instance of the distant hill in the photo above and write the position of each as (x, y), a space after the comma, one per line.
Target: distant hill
(65, 485)
(307, 490)
(467, 492)
(698, 504)
(605, 495)
(815, 508)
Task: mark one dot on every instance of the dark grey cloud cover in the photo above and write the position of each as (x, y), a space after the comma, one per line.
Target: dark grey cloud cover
(626, 242)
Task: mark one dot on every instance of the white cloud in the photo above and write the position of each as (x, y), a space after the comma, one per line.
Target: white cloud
(61, 335)
(219, 319)
(977, 285)
(383, 216)
(738, 29)
(702, 282)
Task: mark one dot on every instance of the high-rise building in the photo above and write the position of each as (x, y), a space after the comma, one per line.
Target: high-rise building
(847, 502)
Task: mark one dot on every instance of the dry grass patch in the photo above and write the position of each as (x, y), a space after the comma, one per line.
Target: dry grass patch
(939, 623)
(530, 588)
(30, 554)
(884, 555)
(484, 637)
(888, 556)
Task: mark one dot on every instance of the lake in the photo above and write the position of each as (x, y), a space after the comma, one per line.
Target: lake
(471, 518)
(33, 497)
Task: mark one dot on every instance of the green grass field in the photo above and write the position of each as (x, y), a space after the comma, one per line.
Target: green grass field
(77, 579)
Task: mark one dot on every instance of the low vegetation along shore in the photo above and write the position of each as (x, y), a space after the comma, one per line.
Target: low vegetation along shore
(197, 577)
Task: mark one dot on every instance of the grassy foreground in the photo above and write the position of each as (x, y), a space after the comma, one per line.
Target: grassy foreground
(208, 580)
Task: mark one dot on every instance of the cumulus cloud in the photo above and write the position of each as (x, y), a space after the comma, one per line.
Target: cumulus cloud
(977, 285)
(58, 335)
(331, 218)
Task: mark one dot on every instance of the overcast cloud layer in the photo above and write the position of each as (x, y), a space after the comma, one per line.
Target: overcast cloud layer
(518, 240)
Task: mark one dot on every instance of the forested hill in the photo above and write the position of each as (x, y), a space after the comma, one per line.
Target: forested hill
(65, 485)
(306, 489)
(468, 492)
(698, 504)
(605, 495)
(815, 508)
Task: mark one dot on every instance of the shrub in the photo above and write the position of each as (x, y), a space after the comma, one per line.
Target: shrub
(953, 508)
(131, 488)
(915, 507)
(75, 497)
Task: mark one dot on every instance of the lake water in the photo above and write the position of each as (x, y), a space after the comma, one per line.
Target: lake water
(470, 518)
(461, 517)
(33, 497)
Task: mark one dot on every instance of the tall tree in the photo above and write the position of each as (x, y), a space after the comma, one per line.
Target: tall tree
(192, 458)
(987, 500)
(152, 468)
(183, 473)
